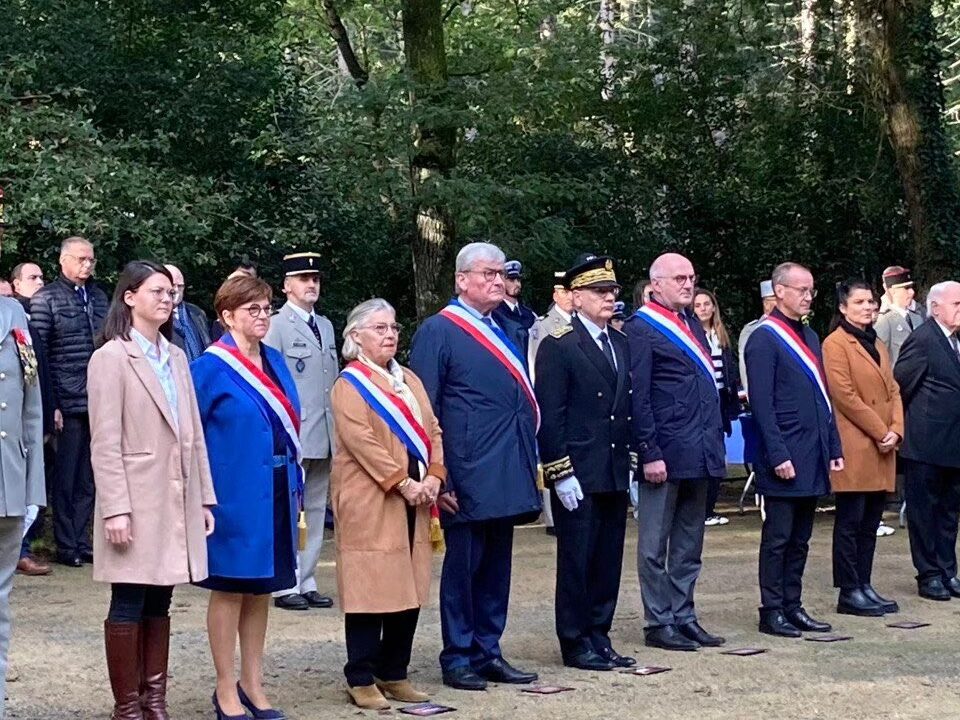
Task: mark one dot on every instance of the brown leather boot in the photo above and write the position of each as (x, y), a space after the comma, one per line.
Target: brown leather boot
(122, 641)
(402, 690)
(368, 697)
(155, 641)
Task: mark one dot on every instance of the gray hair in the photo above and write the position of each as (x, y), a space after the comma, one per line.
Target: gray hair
(782, 271)
(357, 317)
(473, 252)
(936, 292)
(73, 240)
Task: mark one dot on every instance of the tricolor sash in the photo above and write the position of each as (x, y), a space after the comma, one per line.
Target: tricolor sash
(391, 409)
(797, 349)
(669, 325)
(494, 341)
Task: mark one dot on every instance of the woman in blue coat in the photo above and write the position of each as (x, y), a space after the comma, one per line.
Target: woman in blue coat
(251, 417)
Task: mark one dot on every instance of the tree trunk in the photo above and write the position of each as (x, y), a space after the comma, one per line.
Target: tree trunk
(433, 152)
(808, 35)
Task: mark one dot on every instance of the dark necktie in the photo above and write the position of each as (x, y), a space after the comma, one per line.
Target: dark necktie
(191, 341)
(909, 320)
(312, 322)
(82, 295)
(607, 350)
(955, 344)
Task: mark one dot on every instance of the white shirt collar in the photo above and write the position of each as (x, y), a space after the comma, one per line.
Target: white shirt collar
(472, 310)
(562, 314)
(303, 314)
(161, 353)
(510, 304)
(592, 328)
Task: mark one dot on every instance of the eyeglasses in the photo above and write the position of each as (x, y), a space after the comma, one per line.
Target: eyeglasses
(162, 294)
(804, 291)
(256, 311)
(603, 292)
(489, 275)
(382, 328)
(91, 261)
(681, 280)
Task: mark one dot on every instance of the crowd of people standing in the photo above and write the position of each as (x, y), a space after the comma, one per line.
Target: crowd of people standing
(206, 453)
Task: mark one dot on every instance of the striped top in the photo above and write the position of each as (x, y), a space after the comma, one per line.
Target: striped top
(716, 355)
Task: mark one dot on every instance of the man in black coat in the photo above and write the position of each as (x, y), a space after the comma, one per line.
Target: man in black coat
(928, 372)
(583, 389)
(68, 314)
(513, 316)
(191, 330)
(678, 434)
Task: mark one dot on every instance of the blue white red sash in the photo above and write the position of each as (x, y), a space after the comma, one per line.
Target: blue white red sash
(494, 341)
(273, 400)
(798, 350)
(392, 410)
(669, 325)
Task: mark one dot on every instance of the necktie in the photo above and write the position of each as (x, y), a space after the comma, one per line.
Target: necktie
(82, 295)
(909, 320)
(312, 322)
(955, 344)
(191, 341)
(487, 321)
(607, 350)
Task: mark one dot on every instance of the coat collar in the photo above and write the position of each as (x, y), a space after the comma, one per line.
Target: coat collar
(862, 352)
(145, 372)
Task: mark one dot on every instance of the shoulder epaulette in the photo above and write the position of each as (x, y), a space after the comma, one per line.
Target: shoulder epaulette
(561, 331)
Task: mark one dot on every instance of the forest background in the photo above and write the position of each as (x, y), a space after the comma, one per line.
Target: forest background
(386, 134)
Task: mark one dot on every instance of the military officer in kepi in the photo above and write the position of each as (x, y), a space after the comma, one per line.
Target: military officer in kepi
(583, 389)
(513, 316)
(309, 349)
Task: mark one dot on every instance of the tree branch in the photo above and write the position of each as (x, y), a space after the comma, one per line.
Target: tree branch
(339, 34)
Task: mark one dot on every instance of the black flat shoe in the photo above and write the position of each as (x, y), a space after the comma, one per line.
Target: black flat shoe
(500, 671)
(803, 622)
(293, 601)
(463, 678)
(953, 586)
(693, 631)
(589, 660)
(316, 600)
(73, 561)
(855, 602)
(624, 661)
(86, 556)
(933, 589)
(773, 622)
(667, 637)
(889, 606)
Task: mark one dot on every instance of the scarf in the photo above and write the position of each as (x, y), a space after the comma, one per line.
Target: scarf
(867, 338)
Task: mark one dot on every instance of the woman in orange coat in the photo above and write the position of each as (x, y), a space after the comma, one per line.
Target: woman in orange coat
(387, 471)
(869, 414)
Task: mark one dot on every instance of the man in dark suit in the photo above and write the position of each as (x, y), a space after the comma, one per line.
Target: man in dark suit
(928, 372)
(191, 330)
(481, 394)
(678, 434)
(799, 446)
(513, 316)
(583, 388)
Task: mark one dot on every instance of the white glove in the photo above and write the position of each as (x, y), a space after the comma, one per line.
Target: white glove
(569, 492)
(634, 495)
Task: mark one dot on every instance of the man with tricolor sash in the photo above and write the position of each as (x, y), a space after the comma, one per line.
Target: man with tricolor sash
(678, 435)
(481, 393)
(583, 387)
(799, 446)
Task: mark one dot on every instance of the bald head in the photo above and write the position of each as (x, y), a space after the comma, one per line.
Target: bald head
(673, 280)
(178, 284)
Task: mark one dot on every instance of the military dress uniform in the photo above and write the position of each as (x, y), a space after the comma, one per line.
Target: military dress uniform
(583, 389)
(516, 319)
(308, 345)
(894, 324)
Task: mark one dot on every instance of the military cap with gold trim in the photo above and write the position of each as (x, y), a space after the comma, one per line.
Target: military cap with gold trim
(301, 263)
(591, 271)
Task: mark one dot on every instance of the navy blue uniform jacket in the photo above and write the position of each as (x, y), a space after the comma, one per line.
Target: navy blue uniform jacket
(489, 427)
(516, 324)
(791, 417)
(676, 408)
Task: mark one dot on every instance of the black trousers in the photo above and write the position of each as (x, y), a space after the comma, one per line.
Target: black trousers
(932, 494)
(855, 537)
(713, 492)
(131, 603)
(73, 491)
(783, 550)
(379, 645)
(589, 561)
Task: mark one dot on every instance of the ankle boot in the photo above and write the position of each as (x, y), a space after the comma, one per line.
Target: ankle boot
(402, 691)
(155, 641)
(854, 602)
(122, 641)
(889, 606)
(368, 697)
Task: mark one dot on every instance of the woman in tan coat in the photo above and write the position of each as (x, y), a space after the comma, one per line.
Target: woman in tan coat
(153, 485)
(387, 471)
(869, 414)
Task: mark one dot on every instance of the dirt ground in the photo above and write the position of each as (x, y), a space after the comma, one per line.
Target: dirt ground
(57, 647)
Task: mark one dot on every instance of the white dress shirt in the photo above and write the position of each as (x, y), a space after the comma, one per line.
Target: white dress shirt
(159, 357)
(595, 332)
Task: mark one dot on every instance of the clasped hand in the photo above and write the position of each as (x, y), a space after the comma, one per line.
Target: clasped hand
(421, 493)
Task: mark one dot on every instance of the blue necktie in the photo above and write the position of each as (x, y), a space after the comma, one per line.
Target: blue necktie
(190, 339)
(82, 294)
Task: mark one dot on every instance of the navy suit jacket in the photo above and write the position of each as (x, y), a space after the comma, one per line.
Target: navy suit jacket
(489, 427)
(791, 416)
(676, 407)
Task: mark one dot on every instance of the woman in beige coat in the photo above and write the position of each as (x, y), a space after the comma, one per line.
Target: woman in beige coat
(869, 414)
(382, 487)
(153, 485)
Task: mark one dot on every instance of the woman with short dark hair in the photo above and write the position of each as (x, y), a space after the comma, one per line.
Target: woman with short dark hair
(154, 491)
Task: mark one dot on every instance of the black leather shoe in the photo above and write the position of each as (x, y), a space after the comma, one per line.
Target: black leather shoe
(293, 601)
(463, 678)
(552, 531)
(667, 637)
(953, 586)
(316, 600)
(773, 622)
(500, 671)
(69, 560)
(86, 556)
(889, 606)
(855, 602)
(803, 622)
(933, 589)
(694, 632)
(608, 653)
(589, 660)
